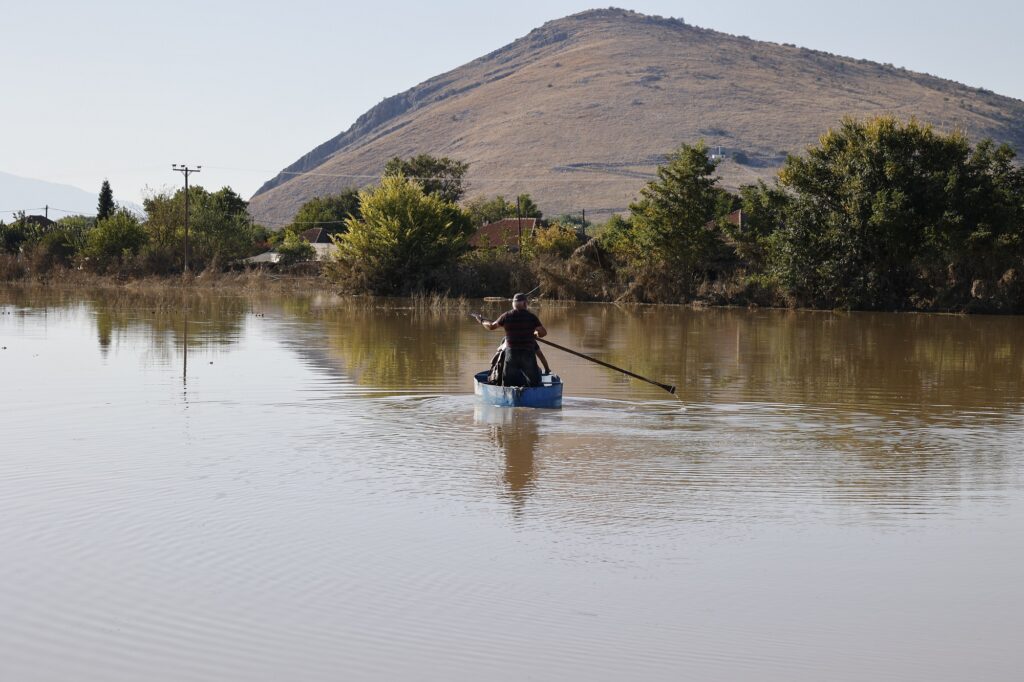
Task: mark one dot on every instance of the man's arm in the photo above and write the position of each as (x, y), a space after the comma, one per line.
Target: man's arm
(540, 332)
(488, 324)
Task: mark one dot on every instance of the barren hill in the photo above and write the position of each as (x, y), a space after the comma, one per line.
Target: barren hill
(580, 111)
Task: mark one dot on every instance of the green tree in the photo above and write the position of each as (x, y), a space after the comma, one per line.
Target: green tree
(615, 235)
(440, 176)
(528, 208)
(114, 241)
(483, 210)
(402, 240)
(669, 223)
(884, 214)
(329, 212)
(220, 229)
(105, 207)
(764, 208)
(294, 249)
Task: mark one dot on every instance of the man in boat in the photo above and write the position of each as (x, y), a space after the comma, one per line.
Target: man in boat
(522, 329)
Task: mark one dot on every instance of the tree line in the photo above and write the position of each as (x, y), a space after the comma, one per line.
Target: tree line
(880, 214)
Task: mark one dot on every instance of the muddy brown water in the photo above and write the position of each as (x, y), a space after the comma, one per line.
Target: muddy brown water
(202, 487)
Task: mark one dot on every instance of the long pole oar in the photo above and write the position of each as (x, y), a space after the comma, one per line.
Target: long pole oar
(670, 389)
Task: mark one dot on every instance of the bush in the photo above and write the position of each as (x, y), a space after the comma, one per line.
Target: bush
(10, 268)
(294, 249)
(558, 240)
(403, 240)
(114, 242)
(12, 237)
(55, 249)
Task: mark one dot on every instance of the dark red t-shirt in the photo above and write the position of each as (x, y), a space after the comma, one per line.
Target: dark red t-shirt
(519, 326)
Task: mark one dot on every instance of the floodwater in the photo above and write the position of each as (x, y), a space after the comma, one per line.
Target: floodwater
(302, 488)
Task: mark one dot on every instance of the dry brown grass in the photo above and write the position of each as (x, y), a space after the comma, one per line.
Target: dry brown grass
(249, 281)
(579, 112)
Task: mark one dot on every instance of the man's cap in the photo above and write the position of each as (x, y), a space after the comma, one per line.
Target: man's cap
(520, 297)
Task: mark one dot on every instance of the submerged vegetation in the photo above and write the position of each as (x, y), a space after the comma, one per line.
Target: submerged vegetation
(881, 214)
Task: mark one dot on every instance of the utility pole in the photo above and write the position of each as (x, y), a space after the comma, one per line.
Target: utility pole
(186, 171)
(519, 219)
(47, 212)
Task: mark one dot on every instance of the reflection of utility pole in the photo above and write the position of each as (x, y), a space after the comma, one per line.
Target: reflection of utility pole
(184, 369)
(186, 171)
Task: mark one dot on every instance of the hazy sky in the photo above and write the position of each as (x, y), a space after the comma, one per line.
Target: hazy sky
(122, 89)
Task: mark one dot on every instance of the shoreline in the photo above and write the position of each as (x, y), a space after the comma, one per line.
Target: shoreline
(263, 282)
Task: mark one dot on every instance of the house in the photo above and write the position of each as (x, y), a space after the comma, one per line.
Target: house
(317, 237)
(320, 239)
(38, 221)
(735, 218)
(266, 258)
(503, 233)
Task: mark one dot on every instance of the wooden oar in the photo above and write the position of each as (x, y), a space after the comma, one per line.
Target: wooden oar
(670, 389)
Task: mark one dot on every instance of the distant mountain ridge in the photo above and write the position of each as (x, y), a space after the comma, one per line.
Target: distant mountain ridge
(579, 112)
(28, 194)
(19, 193)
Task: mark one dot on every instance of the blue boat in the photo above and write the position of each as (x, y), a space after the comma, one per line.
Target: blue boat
(548, 395)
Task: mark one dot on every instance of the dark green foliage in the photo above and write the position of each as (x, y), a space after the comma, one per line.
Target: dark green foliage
(13, 236)
(674, 241)
(527, 208)
(105, 208)
(884, 214)
(220, 229)
(438, 176)
(329, 212)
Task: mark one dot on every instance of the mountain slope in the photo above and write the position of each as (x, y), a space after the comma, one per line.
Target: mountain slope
(580, 111)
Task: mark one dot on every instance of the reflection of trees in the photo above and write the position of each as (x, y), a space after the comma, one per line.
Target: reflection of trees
(399, 347)
(394, 348)
(162, 318)
(873, 361)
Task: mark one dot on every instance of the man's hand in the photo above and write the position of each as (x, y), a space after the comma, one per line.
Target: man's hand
(482, 320)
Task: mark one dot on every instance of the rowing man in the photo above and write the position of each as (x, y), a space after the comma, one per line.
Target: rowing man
(522, 329)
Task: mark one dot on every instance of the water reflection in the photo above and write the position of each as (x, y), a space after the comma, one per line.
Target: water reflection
(331, 478)
(516, 433)
(162, 319)
(866, 406)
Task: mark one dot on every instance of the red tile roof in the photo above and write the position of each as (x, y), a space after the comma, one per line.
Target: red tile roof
(502, 233)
